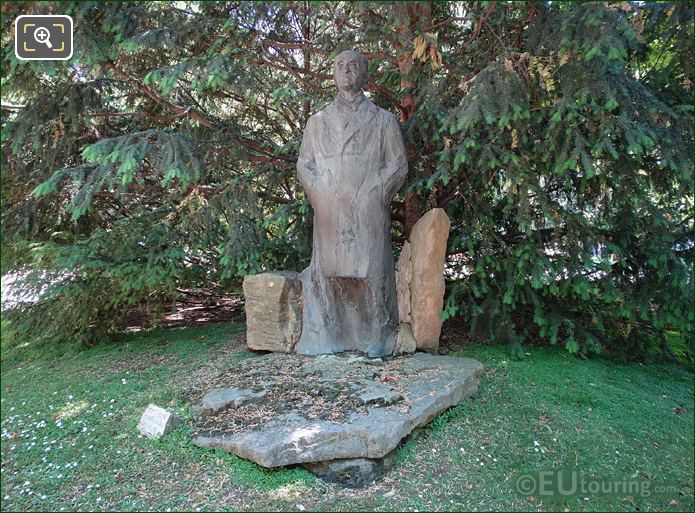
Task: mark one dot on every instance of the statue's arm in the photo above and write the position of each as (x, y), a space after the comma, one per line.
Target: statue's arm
(306, 163)
(395, 166)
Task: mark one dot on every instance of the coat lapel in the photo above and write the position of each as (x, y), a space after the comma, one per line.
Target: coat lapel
(332, 127)
(362, 117)
(338, 136)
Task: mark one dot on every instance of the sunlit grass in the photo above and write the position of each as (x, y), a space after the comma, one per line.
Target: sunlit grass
(70, 410)
(69, 438)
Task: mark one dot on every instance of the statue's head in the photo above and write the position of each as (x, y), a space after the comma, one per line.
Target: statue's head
(350, 71)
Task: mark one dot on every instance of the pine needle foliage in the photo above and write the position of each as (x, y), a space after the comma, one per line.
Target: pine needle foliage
(161, 157)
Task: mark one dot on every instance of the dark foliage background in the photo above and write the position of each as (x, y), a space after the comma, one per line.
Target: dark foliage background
(161, 158)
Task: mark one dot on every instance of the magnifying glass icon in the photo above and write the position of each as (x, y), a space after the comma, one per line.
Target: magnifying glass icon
(43, 36)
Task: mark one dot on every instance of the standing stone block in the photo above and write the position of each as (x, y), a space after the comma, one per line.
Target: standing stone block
(273, 311)
(428, 251)
(157, 422)
(404, 273)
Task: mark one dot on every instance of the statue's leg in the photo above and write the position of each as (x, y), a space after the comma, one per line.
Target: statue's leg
(345, 313)
(351, 317)
(317, 314)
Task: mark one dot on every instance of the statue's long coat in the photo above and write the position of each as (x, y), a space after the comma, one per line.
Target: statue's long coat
(350, 171)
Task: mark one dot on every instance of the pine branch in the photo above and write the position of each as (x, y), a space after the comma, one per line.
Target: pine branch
(140, 113)
(440, 24)
(181, 111)
(481, 24)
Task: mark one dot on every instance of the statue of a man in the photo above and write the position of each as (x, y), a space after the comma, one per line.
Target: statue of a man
(351, 164)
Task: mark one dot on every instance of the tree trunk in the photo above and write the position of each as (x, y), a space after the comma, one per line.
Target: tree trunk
(411, 18)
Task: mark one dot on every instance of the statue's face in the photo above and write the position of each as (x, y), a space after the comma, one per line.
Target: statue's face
(350, 71)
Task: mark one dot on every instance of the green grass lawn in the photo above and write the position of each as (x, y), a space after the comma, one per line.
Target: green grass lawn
(69, 438)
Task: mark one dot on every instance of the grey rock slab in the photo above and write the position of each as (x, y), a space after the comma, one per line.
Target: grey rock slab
(371, 392)
(216, 400)
(428, 383)
(353, 473)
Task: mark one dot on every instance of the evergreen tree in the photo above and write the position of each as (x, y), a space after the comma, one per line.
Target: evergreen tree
(161, 157)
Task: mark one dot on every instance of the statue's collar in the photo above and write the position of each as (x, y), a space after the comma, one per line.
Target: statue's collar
(349, 107)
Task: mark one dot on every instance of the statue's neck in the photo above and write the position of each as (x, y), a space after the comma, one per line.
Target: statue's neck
(351, 96)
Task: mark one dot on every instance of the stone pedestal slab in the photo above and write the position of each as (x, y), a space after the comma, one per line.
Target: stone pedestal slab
(315, 410)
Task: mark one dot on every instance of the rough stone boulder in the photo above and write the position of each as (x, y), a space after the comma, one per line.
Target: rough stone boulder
(428, 251)
(406, 341)
(404, 272)
(273, 311)
(316, 410)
